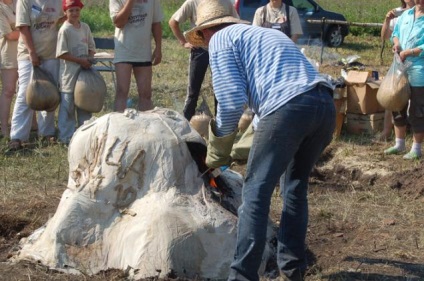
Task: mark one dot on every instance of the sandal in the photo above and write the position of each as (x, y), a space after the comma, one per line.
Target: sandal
(15, 145)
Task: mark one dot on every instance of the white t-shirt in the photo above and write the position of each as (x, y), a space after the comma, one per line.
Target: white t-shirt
(133, 41)
(8, 48)
(77, 42)
(280, 16)
(42, 17)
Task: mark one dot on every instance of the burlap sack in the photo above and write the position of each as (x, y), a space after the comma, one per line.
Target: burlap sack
(245, 120)
(42, 93)
(90, 90)
(200, 123)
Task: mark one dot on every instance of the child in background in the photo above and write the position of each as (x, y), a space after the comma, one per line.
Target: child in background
(75, 46)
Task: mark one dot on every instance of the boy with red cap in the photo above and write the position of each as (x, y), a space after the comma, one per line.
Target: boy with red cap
(75, 47)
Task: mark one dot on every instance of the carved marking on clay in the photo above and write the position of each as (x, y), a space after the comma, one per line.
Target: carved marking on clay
(122, 198)
(122, 174)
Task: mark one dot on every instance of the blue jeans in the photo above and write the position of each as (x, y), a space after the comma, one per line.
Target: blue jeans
(289, 142)
(199, 62)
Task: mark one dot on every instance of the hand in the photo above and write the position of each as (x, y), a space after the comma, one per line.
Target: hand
(85, 63)
(403, 55)
(35, 60)
(390, 15)
(157, 56)
(396, 48)
(188, 45)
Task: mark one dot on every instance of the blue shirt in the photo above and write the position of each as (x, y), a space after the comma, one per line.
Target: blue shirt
(410, 32)
(259, 67)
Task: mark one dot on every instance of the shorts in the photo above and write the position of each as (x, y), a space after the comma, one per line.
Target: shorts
(138, 64)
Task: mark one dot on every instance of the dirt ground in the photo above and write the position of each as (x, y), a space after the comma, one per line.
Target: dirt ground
(366, 219)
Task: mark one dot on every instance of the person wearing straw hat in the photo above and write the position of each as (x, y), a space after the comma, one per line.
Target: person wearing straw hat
(296, 119)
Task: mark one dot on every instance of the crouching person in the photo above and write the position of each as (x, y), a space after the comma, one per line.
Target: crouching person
(296, 119)
(75, 46)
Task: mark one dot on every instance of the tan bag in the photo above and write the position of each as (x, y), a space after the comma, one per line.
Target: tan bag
(200, 123)
(90, 90)
(42, 93)
(245, 120)
(394, 91)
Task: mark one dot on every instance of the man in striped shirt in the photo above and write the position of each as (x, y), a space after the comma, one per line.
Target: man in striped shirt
(296, 118)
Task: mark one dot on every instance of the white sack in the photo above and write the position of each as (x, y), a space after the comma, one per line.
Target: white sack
(135, 199)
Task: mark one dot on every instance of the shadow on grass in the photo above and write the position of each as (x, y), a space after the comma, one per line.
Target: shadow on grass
(412, 271)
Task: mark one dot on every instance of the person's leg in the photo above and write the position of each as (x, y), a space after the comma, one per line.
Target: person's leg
(399, 121)
(277, 139)
(46, 126)
(416, 119)
(9, 77)
(198, 65)
(387, 127)
(291, 256)
(66, 123)
(123, 80)
(143, 78)
(22, 114)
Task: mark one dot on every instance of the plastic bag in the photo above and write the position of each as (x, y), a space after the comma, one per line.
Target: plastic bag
(90, 90)
(42, 93)
(394, 91)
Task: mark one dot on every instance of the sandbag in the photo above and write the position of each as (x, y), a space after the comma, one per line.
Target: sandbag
(200, 123)
(90, 90)
(42, 93)
(394, 91)
(245, 120)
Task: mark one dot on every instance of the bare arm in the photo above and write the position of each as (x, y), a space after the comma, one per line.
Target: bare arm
(121, 19)
(25, 32)
(175, 27)
(84, 62)
(12, 36)
(385, 30)
(157, 36)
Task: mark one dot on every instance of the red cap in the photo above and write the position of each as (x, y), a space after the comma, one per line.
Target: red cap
(66, 4)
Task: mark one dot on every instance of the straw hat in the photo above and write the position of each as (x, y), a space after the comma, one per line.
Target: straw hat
(211, 13)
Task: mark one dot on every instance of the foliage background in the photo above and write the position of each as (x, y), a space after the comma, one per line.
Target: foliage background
(96, 14)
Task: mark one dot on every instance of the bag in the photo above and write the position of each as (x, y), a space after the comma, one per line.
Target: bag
(90, 90)
(200, 123)
(42, 93)
(283, 27)
(394, 91)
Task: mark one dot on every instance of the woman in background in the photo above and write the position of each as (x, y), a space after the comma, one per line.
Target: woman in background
(386, 32)
(408, 42)
(281, 16)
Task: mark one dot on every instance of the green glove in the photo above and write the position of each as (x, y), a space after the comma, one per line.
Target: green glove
(219, 148)
(241, 149)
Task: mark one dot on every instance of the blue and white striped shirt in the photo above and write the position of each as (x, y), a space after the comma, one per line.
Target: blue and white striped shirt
(257, 66)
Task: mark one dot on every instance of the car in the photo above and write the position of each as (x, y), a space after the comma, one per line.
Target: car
(334, 34)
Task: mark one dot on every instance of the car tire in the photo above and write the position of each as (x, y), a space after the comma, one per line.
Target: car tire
(334, 36)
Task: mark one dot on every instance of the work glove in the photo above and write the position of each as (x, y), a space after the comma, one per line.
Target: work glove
(219, 148)
(241, 149)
